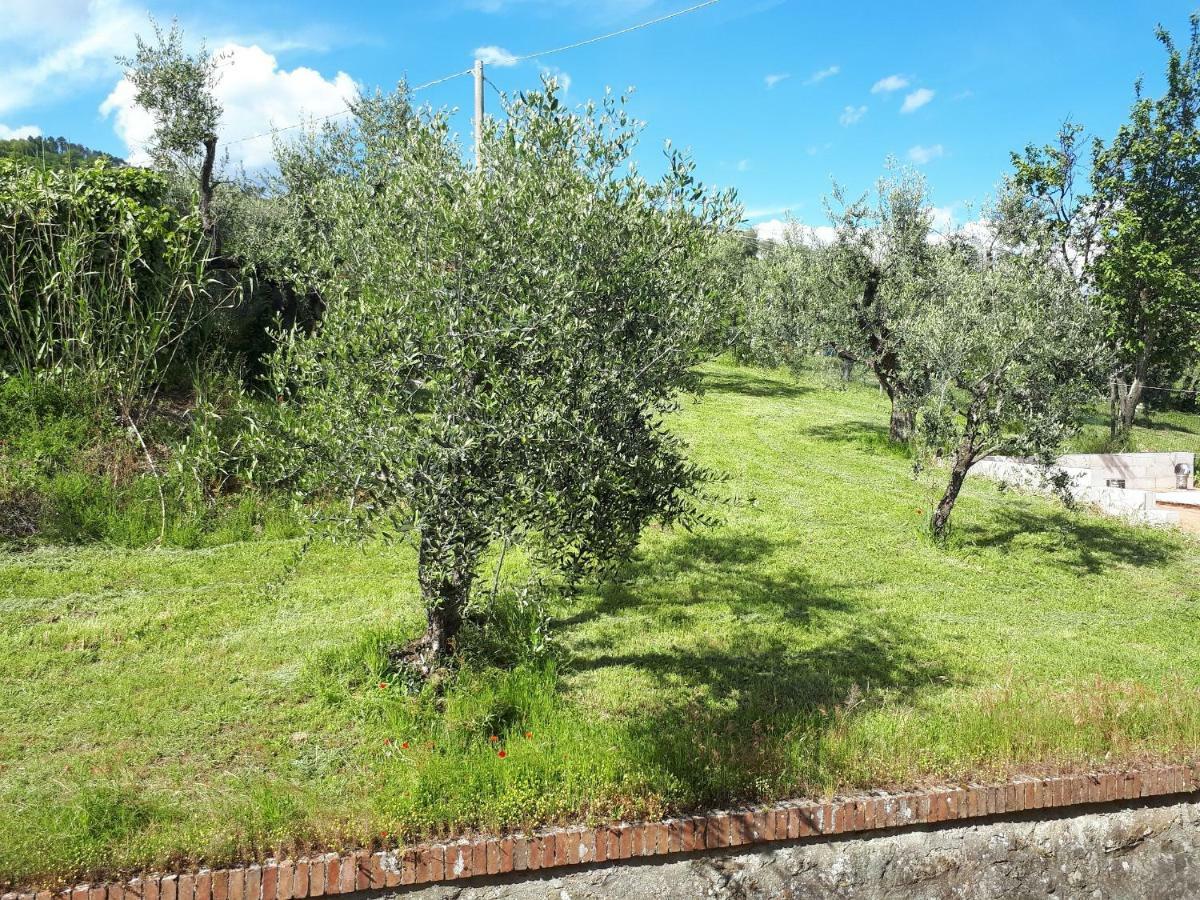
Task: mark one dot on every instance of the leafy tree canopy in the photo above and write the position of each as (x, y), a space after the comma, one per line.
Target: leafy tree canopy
(499, 350)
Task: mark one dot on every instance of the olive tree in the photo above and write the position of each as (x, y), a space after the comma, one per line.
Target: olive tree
(882, 246)
(499, 350)
(1011, 352)
(775, 300)
(849, 298)
(178, 89)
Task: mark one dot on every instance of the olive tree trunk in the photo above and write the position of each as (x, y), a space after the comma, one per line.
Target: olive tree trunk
(445, 577)
(965, 456)
(1126, 396)
(208, 219)
(884, 359)
(958, 475)
(901, 422)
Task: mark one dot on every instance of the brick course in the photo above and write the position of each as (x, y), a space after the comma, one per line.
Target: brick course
(331, 873)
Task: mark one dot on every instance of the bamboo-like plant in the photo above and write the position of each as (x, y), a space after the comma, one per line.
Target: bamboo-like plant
(102, 282)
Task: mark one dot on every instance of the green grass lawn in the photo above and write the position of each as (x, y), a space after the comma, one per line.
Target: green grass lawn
(176, 706)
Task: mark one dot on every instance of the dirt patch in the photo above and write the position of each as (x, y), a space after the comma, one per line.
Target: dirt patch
(1189, 516)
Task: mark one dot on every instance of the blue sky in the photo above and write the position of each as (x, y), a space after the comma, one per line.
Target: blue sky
(773, 97)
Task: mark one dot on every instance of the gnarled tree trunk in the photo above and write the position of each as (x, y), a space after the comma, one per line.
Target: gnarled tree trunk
(208, 219)
(884, 361)
(445, 575)
(965, 455)
(901, 422)
(1126, 396)
(963, 461)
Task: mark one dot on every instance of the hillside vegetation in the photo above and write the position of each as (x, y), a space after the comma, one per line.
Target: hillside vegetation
(53, 152)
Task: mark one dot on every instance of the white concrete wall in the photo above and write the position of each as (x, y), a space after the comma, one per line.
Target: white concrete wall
(1128, 503)
(1141, 471)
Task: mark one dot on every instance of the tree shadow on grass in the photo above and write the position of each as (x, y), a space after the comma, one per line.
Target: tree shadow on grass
(745, 713)
(1087, 545)
(1100, 419)
(1166, 425)
(748, 383)
(700, 567)
(870, 437)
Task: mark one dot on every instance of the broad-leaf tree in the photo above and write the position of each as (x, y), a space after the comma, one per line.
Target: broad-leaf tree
(499, 350)
(1049, 208)
(1149, 273)
(1132, 235)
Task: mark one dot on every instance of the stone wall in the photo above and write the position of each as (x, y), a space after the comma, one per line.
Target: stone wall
(809, 841)
(1151, 851)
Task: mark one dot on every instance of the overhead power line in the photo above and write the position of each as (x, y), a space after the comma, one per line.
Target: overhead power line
(540, 53)
(613, 34)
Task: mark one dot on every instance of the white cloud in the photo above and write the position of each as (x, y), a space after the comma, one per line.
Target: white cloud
(256, 95)
(43, 22)
(772, 80)
(889, 84)
(764, 211)
(852, 114)
(743, 165)
(916, 100)
(51, 48)
(563, 79)
(942, 218)
(817, 77)
(921, 155)
(495, 56)
(21, 131)
(789, 231)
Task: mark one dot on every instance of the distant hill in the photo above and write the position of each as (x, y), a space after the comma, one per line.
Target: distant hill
(55, 152)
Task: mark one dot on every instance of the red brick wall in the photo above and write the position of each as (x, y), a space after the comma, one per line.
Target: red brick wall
(361, 870)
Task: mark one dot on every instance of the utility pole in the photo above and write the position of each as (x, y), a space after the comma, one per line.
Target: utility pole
(478, 114)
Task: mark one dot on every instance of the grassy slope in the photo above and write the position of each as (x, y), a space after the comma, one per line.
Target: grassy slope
(1168, 431)
(159, 706)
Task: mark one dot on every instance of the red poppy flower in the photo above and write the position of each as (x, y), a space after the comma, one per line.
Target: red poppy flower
(529, 734)
(493, 739)
(404, 746)
(382, 685)
(502, 754)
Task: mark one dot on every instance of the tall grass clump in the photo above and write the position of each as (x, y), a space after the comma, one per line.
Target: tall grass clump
(103, 279)
(105, 287)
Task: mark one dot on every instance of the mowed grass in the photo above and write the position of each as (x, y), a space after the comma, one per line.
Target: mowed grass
(164, 707)
(1166, 431)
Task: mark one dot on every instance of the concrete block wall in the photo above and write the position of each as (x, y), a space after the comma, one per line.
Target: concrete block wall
(1141, 471)
(1089, 485)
